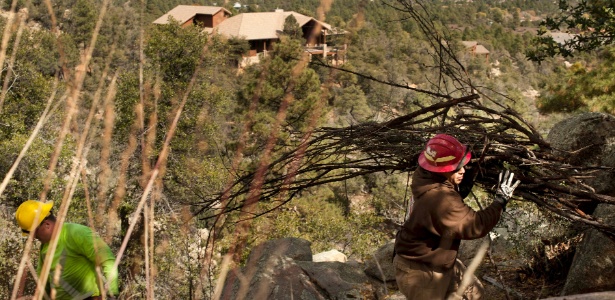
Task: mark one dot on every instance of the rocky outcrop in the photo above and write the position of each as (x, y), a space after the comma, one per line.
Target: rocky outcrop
(589, 140)
(271, 272)
(283, 269)
(593, 265)
(380, 266)
(591, 296)
(341, 280)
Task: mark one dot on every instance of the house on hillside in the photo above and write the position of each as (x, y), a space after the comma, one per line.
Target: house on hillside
(262, 30)
(476, 49)
(186, 15)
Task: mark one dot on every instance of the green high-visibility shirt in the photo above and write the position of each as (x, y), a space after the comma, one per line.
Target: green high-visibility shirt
(78, 252)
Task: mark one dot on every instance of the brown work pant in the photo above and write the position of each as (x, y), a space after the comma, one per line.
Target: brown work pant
(418, 281)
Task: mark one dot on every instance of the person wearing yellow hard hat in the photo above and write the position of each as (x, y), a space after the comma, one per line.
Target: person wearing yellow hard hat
(30, 211)
(78, 252)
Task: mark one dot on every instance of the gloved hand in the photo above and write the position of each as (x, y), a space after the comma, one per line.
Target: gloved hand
(505, 187)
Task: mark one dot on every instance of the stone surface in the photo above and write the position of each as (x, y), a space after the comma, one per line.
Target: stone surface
(380, 266)
(340, 281)
(274, 278)
(271, 272)
(294, 248)
(593, 265)
(591, 296)
(283, 269)
(331, 255)
(588, 139)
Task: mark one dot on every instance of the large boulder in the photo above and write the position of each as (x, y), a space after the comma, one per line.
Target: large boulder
(590, 296)
(588, 139)
(271, 272)
(380, 266)
(593, 265)
(341, 281)
(293, 248)
(283, 269)
(276, 278)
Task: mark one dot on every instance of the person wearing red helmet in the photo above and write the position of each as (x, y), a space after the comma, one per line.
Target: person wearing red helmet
(426, 245)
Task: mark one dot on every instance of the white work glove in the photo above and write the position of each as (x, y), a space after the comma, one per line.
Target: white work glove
(505, 187)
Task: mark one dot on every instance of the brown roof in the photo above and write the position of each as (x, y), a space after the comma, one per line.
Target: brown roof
(469, 44)
(261, 25)
(183, 13)
(480, 49)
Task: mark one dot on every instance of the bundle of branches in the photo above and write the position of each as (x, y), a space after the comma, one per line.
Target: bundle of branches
(497, 139)
(497, 135)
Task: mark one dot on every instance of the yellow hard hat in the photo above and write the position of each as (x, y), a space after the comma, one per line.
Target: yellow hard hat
(27, 212)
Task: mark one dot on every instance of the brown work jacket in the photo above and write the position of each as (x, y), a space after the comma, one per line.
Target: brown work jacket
(439, 221)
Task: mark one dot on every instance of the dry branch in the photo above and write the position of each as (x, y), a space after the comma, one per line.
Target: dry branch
(497, 135)
(496, 138)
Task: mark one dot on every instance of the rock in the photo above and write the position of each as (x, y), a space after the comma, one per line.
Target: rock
(331, 255)
(591, 296)
(588, 139)
(293, 248)
(271, 272)
(283, 269)
(274, 278)
(380, 266)
(593, 264)
(340, 281)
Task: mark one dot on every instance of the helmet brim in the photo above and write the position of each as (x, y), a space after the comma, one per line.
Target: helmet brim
(424, 163)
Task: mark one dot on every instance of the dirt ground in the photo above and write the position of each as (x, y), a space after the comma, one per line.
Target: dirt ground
(518, 287)
(542, 277)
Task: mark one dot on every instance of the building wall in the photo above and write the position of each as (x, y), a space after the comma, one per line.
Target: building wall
(188, 23)
(219, 18)
(258, 46)
(204, 20)
(312, 33)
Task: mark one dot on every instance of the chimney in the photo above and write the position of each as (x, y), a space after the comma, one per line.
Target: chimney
(278, 10)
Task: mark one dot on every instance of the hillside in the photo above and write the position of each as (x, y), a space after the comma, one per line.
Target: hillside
(149, 133)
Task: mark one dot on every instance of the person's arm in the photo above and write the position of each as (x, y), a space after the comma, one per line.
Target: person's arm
(99, 253)
(454, 219)
(462, 222)
(106, 258)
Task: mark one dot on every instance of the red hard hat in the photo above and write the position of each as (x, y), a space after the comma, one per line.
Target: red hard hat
(443, 153)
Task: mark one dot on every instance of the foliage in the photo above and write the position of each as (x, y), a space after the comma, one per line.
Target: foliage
(325, 224)
(81, 21)
(11, 250)
(292, 28)
(384, 46)
(591, 22)
(27, 182)
(589, 87)
(237, 47)
(175, 51)
(391, 195)
(277, 80)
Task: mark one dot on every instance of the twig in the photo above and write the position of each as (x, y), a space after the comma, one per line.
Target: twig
(498, 285)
